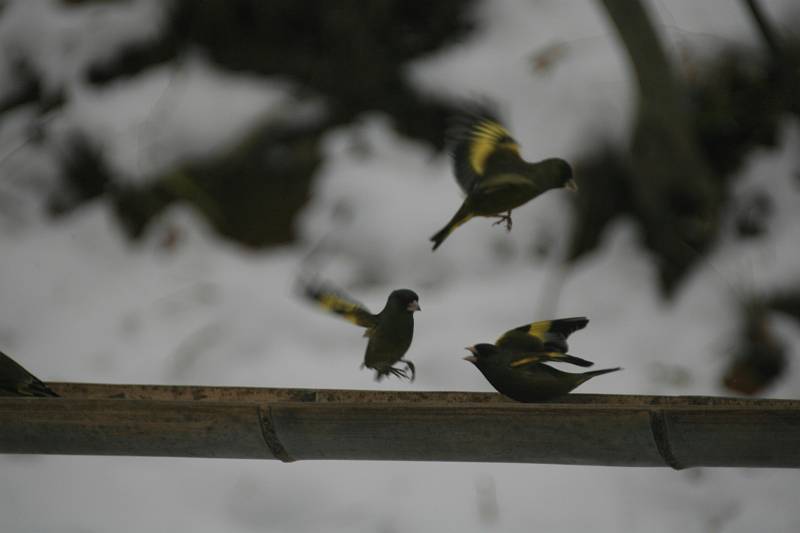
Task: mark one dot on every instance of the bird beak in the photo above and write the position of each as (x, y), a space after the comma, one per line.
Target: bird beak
(414, 306)
(571, 185)
(471, 358)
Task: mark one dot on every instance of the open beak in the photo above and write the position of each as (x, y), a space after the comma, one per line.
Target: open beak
(471, 358)
(414, 306)
(571, 185)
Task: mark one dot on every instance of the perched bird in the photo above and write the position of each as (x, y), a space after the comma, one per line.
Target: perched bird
(528, 382)
(490, 171)
(16, 381)
(514, 365)
(389, 332)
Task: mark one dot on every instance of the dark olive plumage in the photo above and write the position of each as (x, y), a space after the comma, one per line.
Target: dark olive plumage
(389, 332)
(16, 381)
(514, 364)
(531, 382)
(490, 171)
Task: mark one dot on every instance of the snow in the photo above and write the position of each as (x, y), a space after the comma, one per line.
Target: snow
(83, 304)
(63, 40)
(152, 122)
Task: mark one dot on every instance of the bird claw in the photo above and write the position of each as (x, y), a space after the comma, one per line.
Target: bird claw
(504, 218)
(398, 372)
(393, 371)
(410, 366)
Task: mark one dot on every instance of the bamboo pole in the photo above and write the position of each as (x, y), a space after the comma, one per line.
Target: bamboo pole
(298, 424)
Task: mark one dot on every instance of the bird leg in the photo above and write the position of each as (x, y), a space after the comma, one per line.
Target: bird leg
(504, 218)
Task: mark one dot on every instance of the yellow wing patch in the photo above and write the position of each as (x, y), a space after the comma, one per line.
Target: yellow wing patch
(525, 361)
(538, 329)
(338, 303)
(538, 358)
(348, 310)
(485, 137)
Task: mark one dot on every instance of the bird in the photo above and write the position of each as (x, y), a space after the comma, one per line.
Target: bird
(488, 168)
(389, 332)
(529, 382)
(16, 381)
(515, 364)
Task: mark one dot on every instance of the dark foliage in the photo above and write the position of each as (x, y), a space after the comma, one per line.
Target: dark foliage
(250, 193)
(737, 105)
(84, 175)
(351, 54)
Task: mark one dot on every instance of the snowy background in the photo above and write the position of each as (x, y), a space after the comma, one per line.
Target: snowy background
(82, 303)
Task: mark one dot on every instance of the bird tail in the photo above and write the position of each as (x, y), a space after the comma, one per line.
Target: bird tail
(461, 216)
(594, 373)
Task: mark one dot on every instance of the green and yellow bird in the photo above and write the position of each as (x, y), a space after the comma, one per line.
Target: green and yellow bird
(16, 381)
(515, 364)
(389, 332)
(490, 171)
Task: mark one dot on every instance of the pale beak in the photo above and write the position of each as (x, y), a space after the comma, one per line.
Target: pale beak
(414, 306)
(570, 185)
(471, 358)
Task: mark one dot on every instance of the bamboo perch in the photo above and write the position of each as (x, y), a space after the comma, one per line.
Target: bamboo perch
(297, 424)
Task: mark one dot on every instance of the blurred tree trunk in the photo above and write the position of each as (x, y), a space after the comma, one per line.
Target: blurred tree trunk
(674, 188)
(771, 39)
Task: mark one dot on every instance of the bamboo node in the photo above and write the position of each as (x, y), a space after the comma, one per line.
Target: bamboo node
(271, 436)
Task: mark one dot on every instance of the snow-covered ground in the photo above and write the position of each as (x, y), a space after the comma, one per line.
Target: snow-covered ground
(79, 303)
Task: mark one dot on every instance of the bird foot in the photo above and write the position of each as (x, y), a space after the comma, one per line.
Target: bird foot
(504, 218)
(410, 366)
(402, 373)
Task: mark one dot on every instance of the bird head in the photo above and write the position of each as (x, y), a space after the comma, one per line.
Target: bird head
(480, 352)
(405, 299)
(559, 174)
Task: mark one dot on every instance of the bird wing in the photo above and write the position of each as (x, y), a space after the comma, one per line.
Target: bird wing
(16, 380)
(496, 183)
(556, 333)
(35, 387)
(531, 364)
(473, 138)
(520, 340)
(339, 303)
(526, 360)
(529, 361)
(543, 341)
(543, 336)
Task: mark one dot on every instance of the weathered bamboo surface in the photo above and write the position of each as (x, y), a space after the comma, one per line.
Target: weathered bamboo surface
(298, 424)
